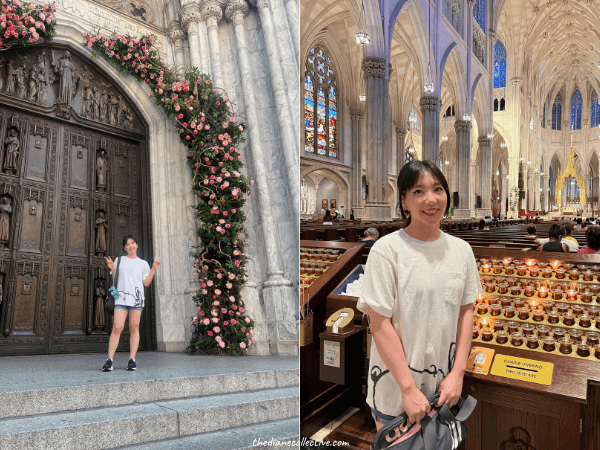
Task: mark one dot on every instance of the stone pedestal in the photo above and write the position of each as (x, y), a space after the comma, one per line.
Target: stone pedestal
(376, 210)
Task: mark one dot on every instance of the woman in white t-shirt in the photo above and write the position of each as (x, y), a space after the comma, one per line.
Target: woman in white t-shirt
(418, 289)
(134, 275)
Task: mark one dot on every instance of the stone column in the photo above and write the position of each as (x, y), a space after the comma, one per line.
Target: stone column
(545, 185)
(528, 201)
(212, 12)
(357, 118)
(190, 17)
(472, 188)
(515, 145)
(485, 175)
(291, 9)
(430, 106)
(289, 140)
(376, 206)
(177, 38)
(463, 163)
(278, 292)
(401, 137)
(586, 180)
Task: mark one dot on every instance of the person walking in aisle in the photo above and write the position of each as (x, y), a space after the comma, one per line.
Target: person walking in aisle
(134, 275)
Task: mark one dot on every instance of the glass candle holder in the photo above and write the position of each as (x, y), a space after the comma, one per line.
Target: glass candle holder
(538, 315)
(539, 283)
(588, 275)
(579, 287)
(583, 350)
(553, 316)
(556, 294)
(485, 323)
(493, 300)
(594, 288)
(515, 290)
(519, 302)
(569, 319)
(562, 308)
(509, 270)
(495, 310)
(506, 262)
(534, 271)
(577, 310)
(512, 326)
(565, 345)
(499, 325)
(518, 262)
(503, 288)
(543, 330)
(512, 281)
(505, 301)
(593, 310)
(501, 337)
(576, 336)
(560, 273)
(532, 342)
(509, 311)
(592, 339)
(547, 305)
(516, 339)
(548, 344)
(572, 295)
(568, 266)
(586, 297)
(558, 334)
(529, 291)
(521, 270)
(486, 268)
(585, 321)
(475, 332)
(490, 287)
(597, 352)
(480, 298)
(487, 334)
(527, 329)
(574, 274)
(542, 292)
(482, 308)
(524, 313)
(497, 268)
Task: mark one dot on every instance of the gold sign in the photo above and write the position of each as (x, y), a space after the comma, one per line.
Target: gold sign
(523, 369)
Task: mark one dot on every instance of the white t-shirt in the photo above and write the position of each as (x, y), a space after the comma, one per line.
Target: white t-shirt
(131, 274)
(421, 287)
(572, 246)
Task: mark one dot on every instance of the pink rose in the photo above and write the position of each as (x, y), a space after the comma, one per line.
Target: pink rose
(195, 319)
(206, 321)
(222, 344)
(218, 291)
(201, 312)
(217, 329)
(242, 345)
(247, 320)
(215, 320)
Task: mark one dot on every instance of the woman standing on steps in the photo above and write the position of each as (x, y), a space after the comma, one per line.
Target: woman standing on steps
(134, 275)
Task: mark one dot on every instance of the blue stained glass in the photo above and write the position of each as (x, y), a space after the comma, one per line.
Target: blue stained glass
(576, 111)
(595, 110)
(479, 13)
(332, 95)
(556, 113)
(499, 65)
(544, 116)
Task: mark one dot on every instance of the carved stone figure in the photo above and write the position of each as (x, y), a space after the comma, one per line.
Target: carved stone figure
(21, 82)
(5, 212)
(11, 151)
(100, 235)
(41, 86)
(113, 111)
(68, 77)
(11, 78)
(87, 77)
(2, 74)
(101, 171)
(129, 122)
(104, 107)
(88, 99)
(99, 321)
(122, 112)
(96, 104)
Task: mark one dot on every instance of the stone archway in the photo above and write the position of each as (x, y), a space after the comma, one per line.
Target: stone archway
(340, 182)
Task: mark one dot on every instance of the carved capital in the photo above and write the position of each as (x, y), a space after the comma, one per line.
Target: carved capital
(401, 131)
(357, 114)
(212, 12)
(492, 35)
(236, 10)
(516, 81)
(259, 4)
(483, 141)
(471, 3)
(462, 126)
(428, 103)
(374, 67)
(190, 16)
(175, 32)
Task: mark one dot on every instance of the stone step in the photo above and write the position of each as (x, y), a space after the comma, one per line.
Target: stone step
(105, 394)
(241, 438)
(110, 427)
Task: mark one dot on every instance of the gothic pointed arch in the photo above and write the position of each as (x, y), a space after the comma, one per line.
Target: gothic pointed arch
(499, 64)
(576, 110)
(557, 113)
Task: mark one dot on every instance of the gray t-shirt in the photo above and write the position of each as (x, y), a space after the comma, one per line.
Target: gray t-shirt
(131, 274)
(421, 287)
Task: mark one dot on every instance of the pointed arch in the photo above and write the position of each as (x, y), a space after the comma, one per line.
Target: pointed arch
(557, 113)
(576, 110)
(499, 64)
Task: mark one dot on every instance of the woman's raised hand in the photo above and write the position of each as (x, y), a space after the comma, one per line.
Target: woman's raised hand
(110, 264)
(156, 263)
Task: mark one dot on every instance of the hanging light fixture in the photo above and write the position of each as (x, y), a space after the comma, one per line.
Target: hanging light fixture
(444, 138)
(503, 144)
(467, 116)
(446, 162)
(362, 97)
(490, 135)
(497, 172)
(362, 38)
(429, 86)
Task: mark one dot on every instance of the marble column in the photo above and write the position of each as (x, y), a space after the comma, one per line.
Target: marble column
(528, 201)
(278, 291)
(190, 17)
(536, 190)
(430, 107)
(472, 190)
(212, 12)
(177, 39)
(291, 9)
(463, 164)
(485, 175)
(401, 138)
(546, 191)
(515, 143)
(289, 139)
(357, 118)
(586, 180)
(376, 206)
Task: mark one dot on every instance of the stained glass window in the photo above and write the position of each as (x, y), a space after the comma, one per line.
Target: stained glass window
(499, 65)
(320, 104)
(557, 113)
(595, 110)
(479, 13)
(576, 110)
(544, 116)
(413, 120)
(408, 155)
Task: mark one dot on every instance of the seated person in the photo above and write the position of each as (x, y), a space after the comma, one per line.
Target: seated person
(569, 234)
(483, 225)
(592, 237)
(371, 235)
(327, 218)
(351, 214)
(572, 247)
(583, 226)
(531, 232)
(578, 226)
(554, 243)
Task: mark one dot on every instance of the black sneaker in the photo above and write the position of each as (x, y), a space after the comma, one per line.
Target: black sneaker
(131, 365)
(107, 366)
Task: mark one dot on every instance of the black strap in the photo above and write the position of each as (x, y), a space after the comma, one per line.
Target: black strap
(116, 275)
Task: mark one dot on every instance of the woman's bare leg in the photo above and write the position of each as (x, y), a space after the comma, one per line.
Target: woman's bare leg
(119, 323)
(134, 332)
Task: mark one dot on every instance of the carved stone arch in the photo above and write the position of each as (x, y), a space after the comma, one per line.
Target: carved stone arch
(338, 178)
(345, 81)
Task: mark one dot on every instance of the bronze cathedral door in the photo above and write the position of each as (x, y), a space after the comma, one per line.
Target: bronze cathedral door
(73, 182)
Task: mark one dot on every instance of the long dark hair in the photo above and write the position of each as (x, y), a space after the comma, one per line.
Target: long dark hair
(409, 176)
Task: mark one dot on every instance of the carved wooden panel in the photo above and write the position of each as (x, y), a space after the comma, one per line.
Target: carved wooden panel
(39, 150)
(122, 163)
(28, 293)
(32, 217)
(77, 226)
(75, 299)
(80, 154)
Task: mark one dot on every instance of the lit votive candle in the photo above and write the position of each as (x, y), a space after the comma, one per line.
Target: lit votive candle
(495, 310)
(487, 334)
(565, 346)
(592, 339)
(516, 339)
(475, 332)
(548, 344)
(547, 305)
(586, 297)
(503, 288)
(524, 313)
(490, 287)
(501, 337)
(588, 275)
(585, 321)
(521, 270)
(560, 273)
(499, 325)
(510, 270)
(572, 295)
(562, 308)
(583, 350)
(534, 271)
(498, 268)
(558, 333)
(543, 330)
(576, 336)
(569, 319)
(509, 311)
(529, 291)
(553, 316)
(532, 342)
(527, 329)
(506, 261)
(482, 308)
(555, 264)
(512, 326)
(486, 268)
(574, 274)
(557, 294)
(480, 298)
(538, 315)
